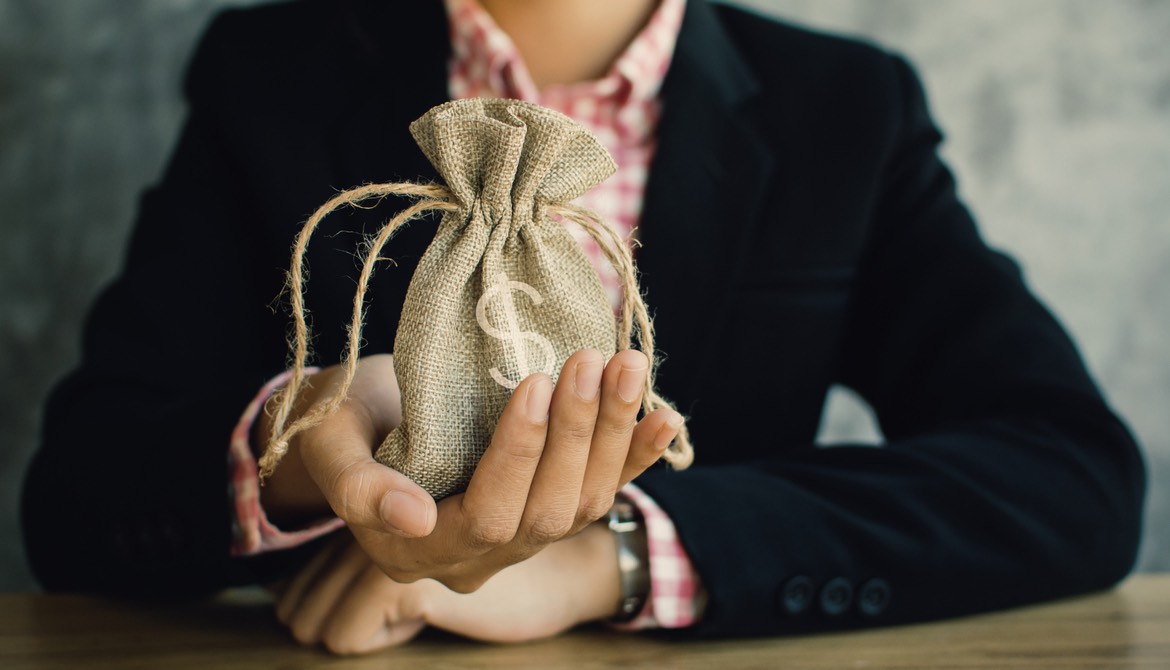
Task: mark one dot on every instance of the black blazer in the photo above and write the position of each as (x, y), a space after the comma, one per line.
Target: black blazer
(800, 230)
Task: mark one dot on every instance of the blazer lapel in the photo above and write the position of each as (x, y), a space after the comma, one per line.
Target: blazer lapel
(705, 186)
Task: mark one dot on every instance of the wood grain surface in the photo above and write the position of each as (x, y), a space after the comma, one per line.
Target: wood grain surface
(1125, 628)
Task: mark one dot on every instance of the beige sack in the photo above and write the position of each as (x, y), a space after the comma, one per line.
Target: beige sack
(502, 291)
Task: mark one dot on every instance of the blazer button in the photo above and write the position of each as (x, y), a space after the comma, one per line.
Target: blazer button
(873, 597)
(796, 594)
(836, 595)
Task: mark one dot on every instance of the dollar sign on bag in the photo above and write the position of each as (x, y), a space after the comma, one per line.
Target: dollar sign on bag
(501, 291)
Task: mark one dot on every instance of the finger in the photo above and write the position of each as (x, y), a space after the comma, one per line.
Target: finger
(555, 494)
(294, 591)
(337, 454)
(325, 592)
(388, 635)
(651, 437)
(371, 616)
(495, 498)
(621, 400)
(625, 376)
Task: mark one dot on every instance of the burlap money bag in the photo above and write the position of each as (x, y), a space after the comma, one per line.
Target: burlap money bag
(502, 291)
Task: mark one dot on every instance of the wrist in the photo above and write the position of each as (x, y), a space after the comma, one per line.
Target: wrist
(289, 497)
(600, 593)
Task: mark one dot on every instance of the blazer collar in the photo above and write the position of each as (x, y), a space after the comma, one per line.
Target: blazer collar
(702, 199)
(706, 53)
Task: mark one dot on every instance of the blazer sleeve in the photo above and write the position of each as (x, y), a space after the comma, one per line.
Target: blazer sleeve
(128, 492)
(1004, 477)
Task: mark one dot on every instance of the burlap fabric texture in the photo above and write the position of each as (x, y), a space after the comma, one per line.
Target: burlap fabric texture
(502, 291)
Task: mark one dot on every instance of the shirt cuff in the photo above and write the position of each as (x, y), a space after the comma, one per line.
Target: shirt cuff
(252, 533)
(676, 597)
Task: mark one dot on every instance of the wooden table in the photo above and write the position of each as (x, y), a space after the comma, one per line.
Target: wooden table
(1125, 628)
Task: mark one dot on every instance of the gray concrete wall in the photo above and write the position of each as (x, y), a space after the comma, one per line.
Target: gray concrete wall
(1058, 113)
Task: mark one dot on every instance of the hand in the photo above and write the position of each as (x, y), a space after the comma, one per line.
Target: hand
(344, 601)
(556, 460)
(291, 496)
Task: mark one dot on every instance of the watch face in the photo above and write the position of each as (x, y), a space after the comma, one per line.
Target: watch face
(630, 606)
(623, 517)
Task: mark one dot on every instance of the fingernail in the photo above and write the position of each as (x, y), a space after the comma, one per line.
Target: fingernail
(587, 381)
(629, 385)
(539, 396)
(404, 513)
(668, 432)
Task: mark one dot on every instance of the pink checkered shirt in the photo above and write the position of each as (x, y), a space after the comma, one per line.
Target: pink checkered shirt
(622, 109)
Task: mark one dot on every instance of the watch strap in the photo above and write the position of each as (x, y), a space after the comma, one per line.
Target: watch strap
(633, 556)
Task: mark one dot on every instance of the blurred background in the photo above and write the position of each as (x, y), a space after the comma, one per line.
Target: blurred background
(1057, 113)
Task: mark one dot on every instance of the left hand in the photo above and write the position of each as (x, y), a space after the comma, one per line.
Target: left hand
(556, 458)
(344, 601)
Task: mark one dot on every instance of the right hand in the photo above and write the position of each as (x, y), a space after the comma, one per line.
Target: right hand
(340, 598)
(555, 461)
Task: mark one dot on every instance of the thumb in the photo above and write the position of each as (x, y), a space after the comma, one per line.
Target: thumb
(338, 456)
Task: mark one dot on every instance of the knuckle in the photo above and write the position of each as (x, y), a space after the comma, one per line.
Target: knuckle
(548, 528)
(593, 507)
(617, 427)
(349, 485)
(487, 533)
(577, 431)
(528, 452)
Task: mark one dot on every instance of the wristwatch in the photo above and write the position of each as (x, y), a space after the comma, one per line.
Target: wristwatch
(633, 556)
